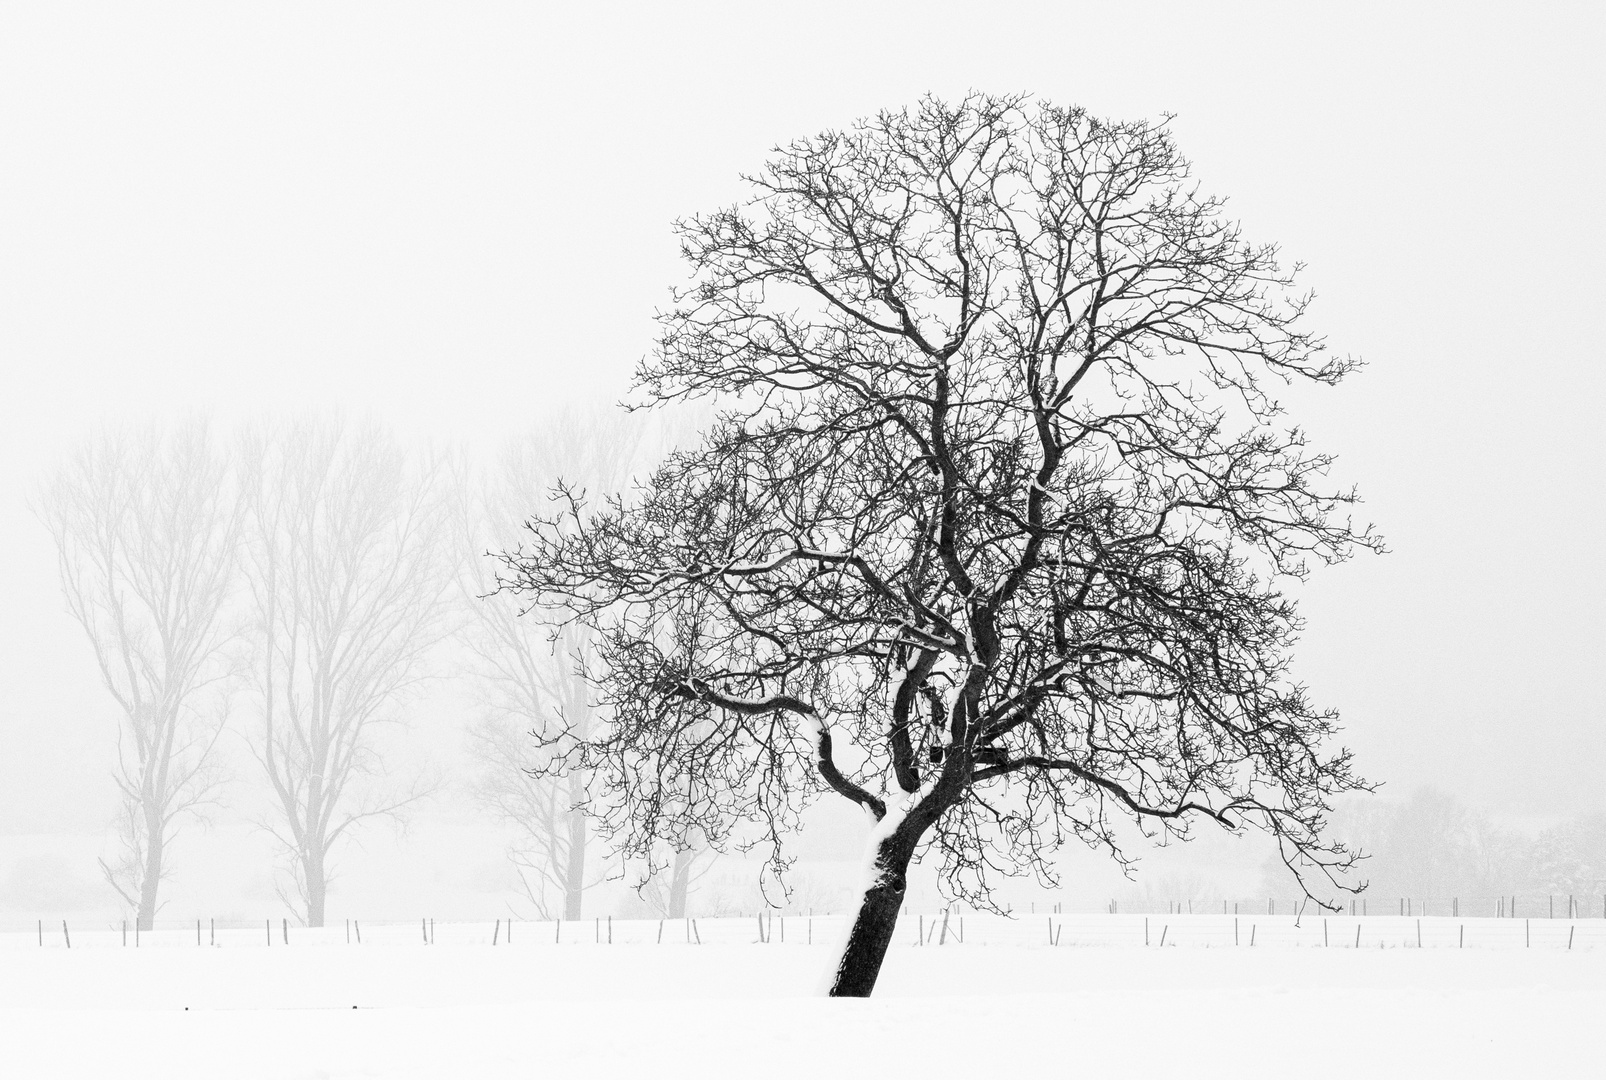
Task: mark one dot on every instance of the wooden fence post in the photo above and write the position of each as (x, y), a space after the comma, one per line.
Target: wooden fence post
(496, 933)
(65, 934)
(357, 925)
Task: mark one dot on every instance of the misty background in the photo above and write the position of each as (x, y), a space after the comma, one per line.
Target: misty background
(453, 225)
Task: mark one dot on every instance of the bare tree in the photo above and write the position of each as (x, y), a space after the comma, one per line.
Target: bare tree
(527, 673)
(521, 675)
(146, 527)
(992, 538)
(348, 571)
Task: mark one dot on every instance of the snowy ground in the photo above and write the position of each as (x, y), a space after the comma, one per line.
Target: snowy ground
(1506, 1005)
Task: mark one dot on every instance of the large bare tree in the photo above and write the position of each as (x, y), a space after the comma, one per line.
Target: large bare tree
(146, 526)
(349, 568)
(993, 537)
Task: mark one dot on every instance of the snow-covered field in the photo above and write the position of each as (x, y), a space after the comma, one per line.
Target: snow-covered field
(1101, 1003)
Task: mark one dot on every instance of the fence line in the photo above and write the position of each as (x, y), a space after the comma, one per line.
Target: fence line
(925, 929)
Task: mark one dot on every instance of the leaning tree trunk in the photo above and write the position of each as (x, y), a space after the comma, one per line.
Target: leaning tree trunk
(575, 873)
(151, 879)
(876, 919)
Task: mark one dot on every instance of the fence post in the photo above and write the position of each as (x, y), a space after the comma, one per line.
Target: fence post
(267, 928)
(357, 924)
(1357, 935)
(496, 933)
(1571, 930)
(125, 933)
(65, 934)
(197, 931)
(423, 930)
(211, 931)
(284, 925)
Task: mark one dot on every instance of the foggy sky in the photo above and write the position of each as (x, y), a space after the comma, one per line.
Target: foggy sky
(457, 220)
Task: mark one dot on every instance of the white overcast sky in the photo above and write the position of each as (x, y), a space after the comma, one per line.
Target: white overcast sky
(456, 217)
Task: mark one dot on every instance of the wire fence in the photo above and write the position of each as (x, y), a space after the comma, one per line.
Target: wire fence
(1508, 906)
(915, 929)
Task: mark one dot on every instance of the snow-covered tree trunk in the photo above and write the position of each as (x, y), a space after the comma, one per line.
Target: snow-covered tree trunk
(889, 851)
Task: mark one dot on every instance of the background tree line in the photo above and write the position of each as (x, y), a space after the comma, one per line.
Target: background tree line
(288, 591)
(1432, 845)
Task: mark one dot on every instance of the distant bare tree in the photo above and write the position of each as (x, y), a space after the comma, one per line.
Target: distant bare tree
(348, 571)
(526, 673)
(146, 527)
(665, 882)
(546, 812)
